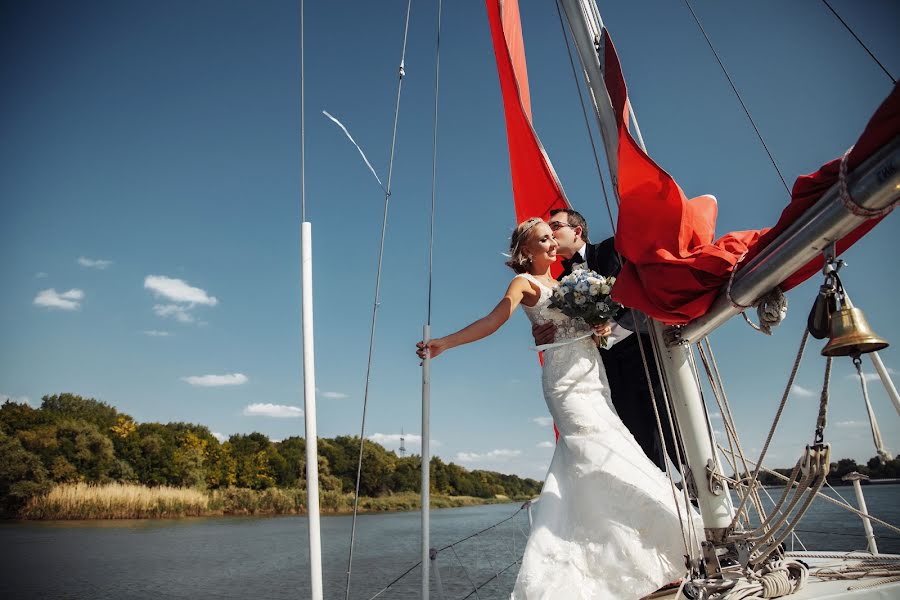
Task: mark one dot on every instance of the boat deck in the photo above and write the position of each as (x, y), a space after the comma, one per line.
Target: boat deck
(816, 588)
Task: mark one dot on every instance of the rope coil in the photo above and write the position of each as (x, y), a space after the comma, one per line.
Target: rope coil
(847, 200)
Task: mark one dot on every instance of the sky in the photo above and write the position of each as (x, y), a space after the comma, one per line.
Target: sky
(150, 206)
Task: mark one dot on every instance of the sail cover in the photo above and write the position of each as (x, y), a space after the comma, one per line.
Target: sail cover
(536, 189)
(674, 268)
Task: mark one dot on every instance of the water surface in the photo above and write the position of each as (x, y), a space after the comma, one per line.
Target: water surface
(250, 557)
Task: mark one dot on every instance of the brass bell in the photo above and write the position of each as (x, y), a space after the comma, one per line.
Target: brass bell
(851, 335)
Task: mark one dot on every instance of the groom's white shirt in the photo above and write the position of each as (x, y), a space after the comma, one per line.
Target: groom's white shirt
(618, 332)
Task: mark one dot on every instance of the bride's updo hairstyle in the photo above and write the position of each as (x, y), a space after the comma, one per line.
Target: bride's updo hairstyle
(518, 261)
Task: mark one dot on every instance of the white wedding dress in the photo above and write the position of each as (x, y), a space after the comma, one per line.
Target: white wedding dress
(606, 525)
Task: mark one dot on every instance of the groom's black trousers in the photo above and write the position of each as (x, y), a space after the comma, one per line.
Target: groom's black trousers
(631, 396)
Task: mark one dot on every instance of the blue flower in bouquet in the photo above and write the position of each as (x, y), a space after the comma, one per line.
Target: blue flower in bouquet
(584, 294)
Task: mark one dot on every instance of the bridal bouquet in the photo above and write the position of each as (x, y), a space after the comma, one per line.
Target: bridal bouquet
(584, 294)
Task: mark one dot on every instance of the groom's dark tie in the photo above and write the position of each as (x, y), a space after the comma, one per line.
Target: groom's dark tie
(576, 259)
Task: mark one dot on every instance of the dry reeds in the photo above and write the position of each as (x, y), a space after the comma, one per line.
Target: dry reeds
(131, 501)
(116, 501)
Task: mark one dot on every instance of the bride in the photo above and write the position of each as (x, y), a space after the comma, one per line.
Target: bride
(606, 525)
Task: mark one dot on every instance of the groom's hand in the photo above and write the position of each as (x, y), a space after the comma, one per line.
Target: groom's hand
(543, 334)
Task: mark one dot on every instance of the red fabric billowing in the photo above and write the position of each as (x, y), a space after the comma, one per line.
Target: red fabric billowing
(536, 189)
(882, 128)
(674, 268)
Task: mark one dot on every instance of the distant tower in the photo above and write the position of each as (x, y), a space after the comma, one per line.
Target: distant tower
(402, 446)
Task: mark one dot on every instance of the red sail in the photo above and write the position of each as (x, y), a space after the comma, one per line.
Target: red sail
(536, 188)
(674, 268)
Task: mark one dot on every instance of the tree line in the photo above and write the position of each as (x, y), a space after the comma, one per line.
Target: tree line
(75, 439)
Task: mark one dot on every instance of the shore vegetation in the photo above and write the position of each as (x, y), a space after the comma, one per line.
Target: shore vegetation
(81, 458)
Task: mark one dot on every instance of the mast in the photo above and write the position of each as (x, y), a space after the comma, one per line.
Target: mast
(713, 499)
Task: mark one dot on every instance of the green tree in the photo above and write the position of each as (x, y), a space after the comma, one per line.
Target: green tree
(22, 475)
(70, 406)
(88, 450)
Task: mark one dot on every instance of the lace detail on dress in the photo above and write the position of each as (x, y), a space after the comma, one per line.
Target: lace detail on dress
(606, 526)
(542, 312)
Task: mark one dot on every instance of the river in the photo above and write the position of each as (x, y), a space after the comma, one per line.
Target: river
(254, 557)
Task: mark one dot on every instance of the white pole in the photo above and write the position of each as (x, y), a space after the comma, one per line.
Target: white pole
(713, 500)
(309, 411)
(886, 380)
(426, 464)
(867, 524)
(861, 501)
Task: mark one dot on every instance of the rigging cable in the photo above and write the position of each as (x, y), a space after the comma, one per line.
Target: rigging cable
(856, 37)
(738, 94)
(451, 546)
(387, 197)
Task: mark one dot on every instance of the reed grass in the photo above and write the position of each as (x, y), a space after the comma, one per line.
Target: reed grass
(116, 501)
(130, 501)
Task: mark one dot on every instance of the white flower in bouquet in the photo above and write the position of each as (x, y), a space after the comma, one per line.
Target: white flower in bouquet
(585, 295)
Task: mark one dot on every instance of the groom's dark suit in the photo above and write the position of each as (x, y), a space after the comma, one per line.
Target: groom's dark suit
(625, 368)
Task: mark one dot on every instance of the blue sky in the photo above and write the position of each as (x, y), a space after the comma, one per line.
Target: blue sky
(149, 176)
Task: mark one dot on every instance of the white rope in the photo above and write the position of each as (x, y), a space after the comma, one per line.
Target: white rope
(883, 454)
(771, 309)
(847, 200)
(825, 497)
(779, 578)
(787, 391)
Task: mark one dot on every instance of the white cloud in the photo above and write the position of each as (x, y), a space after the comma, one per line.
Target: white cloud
(500, 454)
(871, 376)
(217, 380)
(850, 424)
(94, 263)
(177, 290)
(543, 421)
(715, 415)
(278, 411)
(219, 436)
(156, 333)
(16, 399)
(546, 444)
(334, 395)
(391, 441)
(180, 313)
(802, 392)
(40, 275)
(70, 300)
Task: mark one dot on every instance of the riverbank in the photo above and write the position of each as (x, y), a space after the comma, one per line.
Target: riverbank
(81, 501)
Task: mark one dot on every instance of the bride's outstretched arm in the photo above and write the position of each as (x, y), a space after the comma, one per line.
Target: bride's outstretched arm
(484, 326)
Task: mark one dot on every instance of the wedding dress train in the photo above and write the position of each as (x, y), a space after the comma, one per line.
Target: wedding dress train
(606, 525)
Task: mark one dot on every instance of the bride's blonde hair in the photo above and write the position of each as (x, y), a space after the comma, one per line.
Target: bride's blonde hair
(518, 261)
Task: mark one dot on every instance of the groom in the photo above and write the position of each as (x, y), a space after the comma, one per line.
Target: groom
(623, 363)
